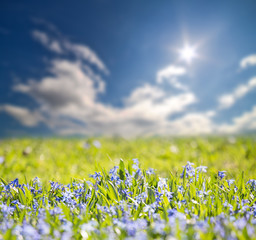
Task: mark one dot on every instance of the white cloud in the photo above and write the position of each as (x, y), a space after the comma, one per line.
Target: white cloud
(69, 105)
(227, 100)
(192, 124)
(68, 100)
(86, 53)
(143, 93)
(50, 44)
(23, 115)
(248, 61)
(62, 45)
(69, 84)
(170, 74)
(170, 71)
(245, 122)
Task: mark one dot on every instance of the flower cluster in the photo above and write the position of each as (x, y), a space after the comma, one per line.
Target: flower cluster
(131, 203)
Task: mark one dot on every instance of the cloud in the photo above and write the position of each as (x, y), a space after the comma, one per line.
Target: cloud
(170, 71)
(145, 92)
(248, 61)
(61, 45)
(68, 96)
(23, 115)
(194, 123)
(227, 100)
(86, 53)
(50, 44)
(44, 23)
(170, 74)
(67, 84)
(68, 100)
(244, 123)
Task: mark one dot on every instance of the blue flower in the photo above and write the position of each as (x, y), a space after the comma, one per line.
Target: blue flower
(221, 174)
(113, 171)
(252, 183)
(180, 189)
(135, 161)
(15, 183)
(202, 169)
(150, 171)
(96, 175)
(189, 169)
(230, 181)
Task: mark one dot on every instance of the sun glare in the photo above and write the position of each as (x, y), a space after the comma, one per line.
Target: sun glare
(188, 53)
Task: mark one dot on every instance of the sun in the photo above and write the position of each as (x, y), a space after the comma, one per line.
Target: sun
(188, 53)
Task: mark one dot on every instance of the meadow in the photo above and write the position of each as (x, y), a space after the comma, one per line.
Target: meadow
(113, 188)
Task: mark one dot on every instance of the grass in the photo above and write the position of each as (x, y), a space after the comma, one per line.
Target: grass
(63, 159)
(124, 199)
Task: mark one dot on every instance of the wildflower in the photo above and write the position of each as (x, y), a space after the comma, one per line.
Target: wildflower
(128, 180)
(169, 195)
(252, 183)
(230, 182)
(113, 170)
(240, 223)
(43, 227)
(55, 211)
(158, 196)
(67, 195)
(162, 183)
(96, 175)
(202, 169)
(180, 189)
(135, 163)
(221, 174)
(219, 229)
(126, 193)
(15, 183)
(1, 159)
(55, 185)
(150, 171)
(29, 232)
(6, 210)
(190, 171)
(158, 227)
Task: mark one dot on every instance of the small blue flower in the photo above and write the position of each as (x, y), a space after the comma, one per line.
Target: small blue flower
(135, 161)
(96, 175)
(180, 189)
(230, 182)
(221, 174)
(202, 169)
(15, 183)
(150, 171)
(113, 170)
(190, 171)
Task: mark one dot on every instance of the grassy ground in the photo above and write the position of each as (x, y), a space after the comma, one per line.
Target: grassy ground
(63, 159)
(130, 201)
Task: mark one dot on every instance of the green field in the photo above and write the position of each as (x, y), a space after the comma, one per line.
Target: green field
(200, 188)
(63, 159)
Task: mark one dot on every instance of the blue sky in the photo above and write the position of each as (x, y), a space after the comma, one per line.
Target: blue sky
(116, 67)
